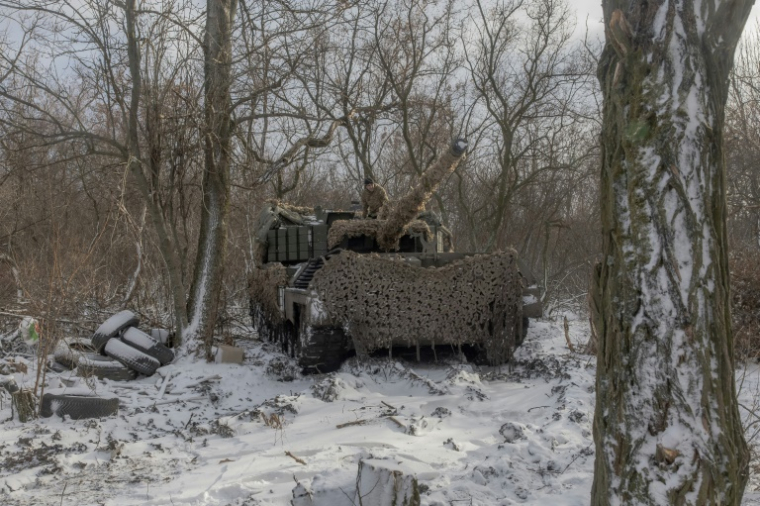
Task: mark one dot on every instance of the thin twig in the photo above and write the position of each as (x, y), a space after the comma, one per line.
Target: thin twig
(567, 336)
(204, 380)
(65, 484)
(348, 424)
(188, 399)
(163, 387)
(574, 459)
(300, 461)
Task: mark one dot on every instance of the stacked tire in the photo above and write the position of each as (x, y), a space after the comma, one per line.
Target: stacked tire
(80, 354)
(119, 339)
(117, 350)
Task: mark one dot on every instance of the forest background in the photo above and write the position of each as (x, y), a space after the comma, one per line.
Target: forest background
(138, 141)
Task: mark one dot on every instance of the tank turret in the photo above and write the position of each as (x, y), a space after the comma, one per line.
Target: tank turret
(402, 217)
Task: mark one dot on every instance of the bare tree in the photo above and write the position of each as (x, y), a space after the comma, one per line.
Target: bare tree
(743, 143)
(666, 427)
(525, 82)
(209, 265)
(108, 116)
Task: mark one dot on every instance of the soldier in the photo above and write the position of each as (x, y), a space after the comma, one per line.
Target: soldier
(373, 198)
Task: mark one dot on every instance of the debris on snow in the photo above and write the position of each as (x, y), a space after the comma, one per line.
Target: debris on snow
(199, 434)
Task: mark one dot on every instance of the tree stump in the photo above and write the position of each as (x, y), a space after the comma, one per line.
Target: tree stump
(24, 404)
(302, 496)
(385, 483)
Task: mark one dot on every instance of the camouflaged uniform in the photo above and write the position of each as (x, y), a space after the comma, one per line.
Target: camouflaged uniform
(373, 200)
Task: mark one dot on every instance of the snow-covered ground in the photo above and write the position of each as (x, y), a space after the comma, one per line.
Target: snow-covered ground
(248, 435)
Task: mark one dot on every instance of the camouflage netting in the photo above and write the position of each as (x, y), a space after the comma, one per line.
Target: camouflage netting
(262, 288)
(358, 228)
(477, 300)
(290, 207)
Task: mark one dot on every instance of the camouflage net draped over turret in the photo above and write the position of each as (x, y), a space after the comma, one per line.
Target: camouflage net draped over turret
(371, 228)
(399, 218)
(290, 208)
(379, 300)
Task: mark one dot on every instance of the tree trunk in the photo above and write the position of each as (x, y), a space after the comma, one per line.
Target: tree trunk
(209, 266)
(166, 247)
(666, 427)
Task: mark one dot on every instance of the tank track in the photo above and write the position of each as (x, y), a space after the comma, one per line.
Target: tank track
(321, 349)
(477, 354)
(318, 349)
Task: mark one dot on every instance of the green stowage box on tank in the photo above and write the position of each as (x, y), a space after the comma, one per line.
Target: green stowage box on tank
(329, 284)
(296, 243)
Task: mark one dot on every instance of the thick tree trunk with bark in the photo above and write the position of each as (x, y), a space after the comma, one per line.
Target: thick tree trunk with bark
(209, 266)
(667, 427)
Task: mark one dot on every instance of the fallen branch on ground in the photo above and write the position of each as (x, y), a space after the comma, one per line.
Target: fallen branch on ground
(300, 461)
(188, 399)
(204, 380)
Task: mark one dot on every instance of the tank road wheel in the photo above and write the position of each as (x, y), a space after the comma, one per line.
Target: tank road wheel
(322, 349)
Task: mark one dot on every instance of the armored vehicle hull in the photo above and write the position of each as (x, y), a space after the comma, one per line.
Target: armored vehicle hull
(331, 285)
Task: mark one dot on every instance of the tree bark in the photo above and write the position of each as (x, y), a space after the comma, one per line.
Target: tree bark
(667, 427)
(166, 247)
(209, 266)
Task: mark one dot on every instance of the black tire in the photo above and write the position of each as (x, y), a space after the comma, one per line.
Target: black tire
(132, 357)
(69, 350)
(163, 336)
(321, 349)
(8, 383)
(57, 367)
(141, 341)
(78, 407)
(93, 364)
(112, 327)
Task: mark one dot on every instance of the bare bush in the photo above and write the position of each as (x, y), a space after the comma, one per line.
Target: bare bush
(745, 296)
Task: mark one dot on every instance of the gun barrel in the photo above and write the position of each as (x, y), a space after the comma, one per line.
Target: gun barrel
(410, 205)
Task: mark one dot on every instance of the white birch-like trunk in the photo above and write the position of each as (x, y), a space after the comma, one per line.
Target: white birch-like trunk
(139, 254)
(209, 266)
(667, 427)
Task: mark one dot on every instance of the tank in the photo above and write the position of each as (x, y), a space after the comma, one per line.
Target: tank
(329, 284)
